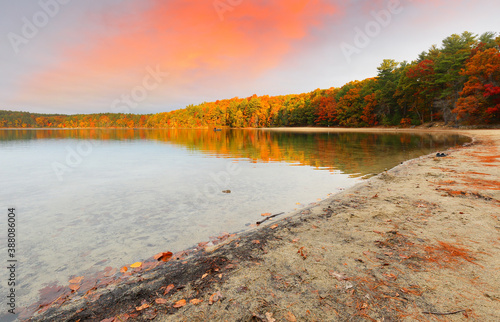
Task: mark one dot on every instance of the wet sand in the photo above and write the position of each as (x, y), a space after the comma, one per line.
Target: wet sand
(420, 242)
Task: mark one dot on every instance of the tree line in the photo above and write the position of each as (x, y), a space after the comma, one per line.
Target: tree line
(457, 83)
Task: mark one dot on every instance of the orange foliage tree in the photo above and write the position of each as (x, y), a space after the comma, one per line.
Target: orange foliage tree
(479, 101)
(326, 110)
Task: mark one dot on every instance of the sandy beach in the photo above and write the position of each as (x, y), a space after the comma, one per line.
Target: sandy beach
(419, 242)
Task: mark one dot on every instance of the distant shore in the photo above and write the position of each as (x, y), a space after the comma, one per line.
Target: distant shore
(412, 243)
(425, 127)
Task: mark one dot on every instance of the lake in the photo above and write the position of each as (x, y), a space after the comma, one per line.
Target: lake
(88, 199)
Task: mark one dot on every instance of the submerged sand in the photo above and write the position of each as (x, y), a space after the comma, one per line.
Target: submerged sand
(420, 242)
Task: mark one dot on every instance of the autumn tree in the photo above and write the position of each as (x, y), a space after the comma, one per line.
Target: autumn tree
(480, 99)
(326, 111)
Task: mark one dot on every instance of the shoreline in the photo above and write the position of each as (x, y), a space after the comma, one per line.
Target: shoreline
(252, 273)
(424, 127)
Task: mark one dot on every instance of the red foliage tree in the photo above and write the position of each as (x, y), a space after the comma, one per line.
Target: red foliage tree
(480, 99)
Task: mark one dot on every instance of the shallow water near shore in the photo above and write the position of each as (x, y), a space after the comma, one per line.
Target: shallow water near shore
(88, 199)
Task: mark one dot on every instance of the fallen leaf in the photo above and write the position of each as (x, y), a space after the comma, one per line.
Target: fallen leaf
(195, 301)
(136, 265)
(214, 297)
(302, 252)
(274, 226)
(269, 317)
(179, 303)
(295, 240)
(204, 275)
(108, 320)
(297, 203)
(256, 241)
(123, 269)
(168, 289)
(290, 317)
(74, 287)
(164, 257)
(76, 280)
(161, 301)
(375, 196)
(142, 307)
(266, 214)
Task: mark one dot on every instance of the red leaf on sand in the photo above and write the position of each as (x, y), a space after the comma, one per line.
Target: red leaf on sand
(274, 226)
(215, 297)
(195, 301)
(290, 317)
(266, 214)
(302, 252)
(142, 307)
(123, 269)
(74, 287)
(256, 241)
(179, 303)
(169, 288)
(76, 280)
(164, 257)
(161, 301)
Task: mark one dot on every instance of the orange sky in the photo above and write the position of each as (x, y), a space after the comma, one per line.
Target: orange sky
(188, 39)
(89, 54)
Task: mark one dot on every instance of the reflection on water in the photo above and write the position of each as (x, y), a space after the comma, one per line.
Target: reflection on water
(358, 153)
(87, 199)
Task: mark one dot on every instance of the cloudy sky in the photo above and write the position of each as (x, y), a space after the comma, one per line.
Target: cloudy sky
(146, 56)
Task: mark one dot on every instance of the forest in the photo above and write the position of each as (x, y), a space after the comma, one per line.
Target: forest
(457, 83)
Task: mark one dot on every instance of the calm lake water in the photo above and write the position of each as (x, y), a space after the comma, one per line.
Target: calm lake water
(87, 199)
